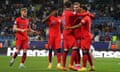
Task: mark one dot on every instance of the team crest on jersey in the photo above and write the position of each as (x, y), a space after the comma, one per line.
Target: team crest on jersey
(21, 25)
(53, 22)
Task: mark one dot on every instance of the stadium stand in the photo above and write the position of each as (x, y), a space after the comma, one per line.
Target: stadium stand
(106, 24)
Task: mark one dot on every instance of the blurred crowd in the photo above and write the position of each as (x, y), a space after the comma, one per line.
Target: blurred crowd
(39, 9)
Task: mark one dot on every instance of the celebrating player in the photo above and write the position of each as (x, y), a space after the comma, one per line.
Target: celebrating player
(21, 27)
(54, 38)
(69, 40)
(86, 38)
(76, 32)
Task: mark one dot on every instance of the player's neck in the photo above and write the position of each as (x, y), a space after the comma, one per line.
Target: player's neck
(68, 9)
(83, 11)
(22, 16)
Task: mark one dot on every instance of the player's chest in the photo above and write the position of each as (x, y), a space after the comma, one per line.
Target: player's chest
(54, 22)
(23, 23)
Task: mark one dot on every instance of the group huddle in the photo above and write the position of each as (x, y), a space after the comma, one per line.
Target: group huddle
(76, 23)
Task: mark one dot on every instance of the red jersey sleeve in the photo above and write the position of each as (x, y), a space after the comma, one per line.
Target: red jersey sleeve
(84, 20)
(91, 15)
(16, 21)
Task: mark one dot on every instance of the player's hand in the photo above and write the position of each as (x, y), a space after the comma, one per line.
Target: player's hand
(36, 32)
(24, 30)
(67, 28)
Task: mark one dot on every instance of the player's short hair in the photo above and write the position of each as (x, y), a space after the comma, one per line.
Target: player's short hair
(23, 9)
(68, 4)
(83, 7)
(54, 8)
(76, 3)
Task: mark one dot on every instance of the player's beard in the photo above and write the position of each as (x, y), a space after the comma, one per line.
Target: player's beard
(24, 16)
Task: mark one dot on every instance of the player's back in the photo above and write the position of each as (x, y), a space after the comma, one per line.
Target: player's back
(67, 19)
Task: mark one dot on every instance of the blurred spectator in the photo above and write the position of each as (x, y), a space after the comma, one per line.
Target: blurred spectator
(39, 9)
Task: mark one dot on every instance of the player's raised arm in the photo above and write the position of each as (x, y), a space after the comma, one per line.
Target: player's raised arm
(45, 19)
(53, 12)
(73, 27)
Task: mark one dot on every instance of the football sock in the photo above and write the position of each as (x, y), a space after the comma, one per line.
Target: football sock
(58, 54)
(15, 55)
(84, 60)
(78, 57)
(73, 55)
(23, 58)
(90, 59)
(50, 56)
(85, 57)
(64, 58)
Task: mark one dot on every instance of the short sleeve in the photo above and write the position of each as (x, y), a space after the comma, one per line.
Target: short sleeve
(84, 20)
(16, 21)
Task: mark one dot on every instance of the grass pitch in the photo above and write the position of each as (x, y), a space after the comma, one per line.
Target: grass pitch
(39, 64)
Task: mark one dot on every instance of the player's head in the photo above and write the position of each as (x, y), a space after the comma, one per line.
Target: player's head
(68, 4)
(54, 10)
(76, 6)
(23, 12)
(83, 8)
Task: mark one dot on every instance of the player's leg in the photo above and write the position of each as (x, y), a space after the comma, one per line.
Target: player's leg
(64, 57)
(18, 47)
(50, 47)
(85, 53)
(72, 59)
(58, 55)
(58, 50)
(87, 46)
(90, 60)
(87, 56)
(25, 46)
(73, 44)
(50, 59)
(23, 58)
(77, 64)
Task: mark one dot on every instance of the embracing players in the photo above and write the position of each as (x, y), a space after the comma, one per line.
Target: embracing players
(85, 38)
(69, 40)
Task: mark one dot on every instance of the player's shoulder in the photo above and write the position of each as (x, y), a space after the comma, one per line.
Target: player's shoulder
(51, 18)
(17, 18)
(67, 12)
(88, 17)
(74, 13)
